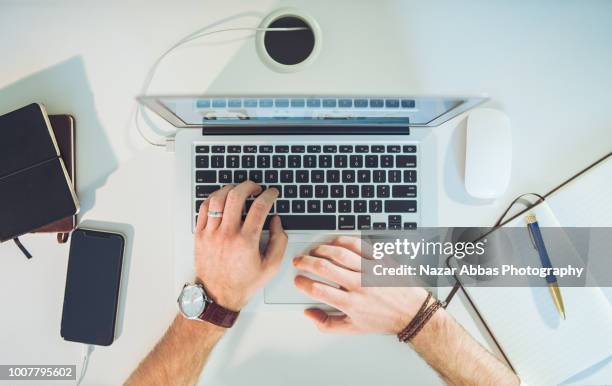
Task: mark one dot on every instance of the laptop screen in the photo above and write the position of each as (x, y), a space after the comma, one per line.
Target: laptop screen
(192, 111)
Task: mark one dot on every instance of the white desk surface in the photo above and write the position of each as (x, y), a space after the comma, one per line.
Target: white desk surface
(546, 63)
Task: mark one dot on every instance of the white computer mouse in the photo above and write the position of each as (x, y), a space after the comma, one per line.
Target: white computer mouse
(488, 153)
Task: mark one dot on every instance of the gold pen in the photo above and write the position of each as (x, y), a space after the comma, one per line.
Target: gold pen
(553, 286)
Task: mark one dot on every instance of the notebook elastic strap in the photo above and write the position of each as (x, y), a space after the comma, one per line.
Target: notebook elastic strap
(22, 248)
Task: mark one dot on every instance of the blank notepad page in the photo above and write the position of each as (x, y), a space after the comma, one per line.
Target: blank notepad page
(542, 347)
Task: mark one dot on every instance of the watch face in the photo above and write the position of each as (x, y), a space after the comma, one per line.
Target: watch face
(192, 301)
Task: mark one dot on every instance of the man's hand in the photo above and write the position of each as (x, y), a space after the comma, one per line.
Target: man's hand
(443, 343)
(227, 256)
(366, 309)
(229, 263)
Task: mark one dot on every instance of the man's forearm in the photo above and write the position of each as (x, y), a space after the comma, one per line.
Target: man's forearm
(457, 357)
(179, 356)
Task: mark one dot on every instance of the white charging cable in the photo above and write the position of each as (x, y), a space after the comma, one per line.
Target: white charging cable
(198, 34)
(87, 350)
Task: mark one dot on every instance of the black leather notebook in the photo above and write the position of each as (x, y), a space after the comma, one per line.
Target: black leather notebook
(35, 188)
(64, 129)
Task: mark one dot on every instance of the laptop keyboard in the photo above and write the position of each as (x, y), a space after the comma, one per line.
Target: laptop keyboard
(322, 187)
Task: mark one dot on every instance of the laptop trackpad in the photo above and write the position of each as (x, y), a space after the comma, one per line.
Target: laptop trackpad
(281, 290)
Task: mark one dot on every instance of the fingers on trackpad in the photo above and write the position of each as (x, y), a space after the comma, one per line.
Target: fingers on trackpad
(281, 289)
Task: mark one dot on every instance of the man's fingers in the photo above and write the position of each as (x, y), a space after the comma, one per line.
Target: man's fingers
(330, 323)
(260, 208)
(328, 270)
(339, 255)
(232, 213)
(202, 217)
(277, 243)
(323, 292)
(355, 245)
(216, 203)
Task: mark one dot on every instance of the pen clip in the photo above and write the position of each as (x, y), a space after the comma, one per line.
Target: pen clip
(531, 237)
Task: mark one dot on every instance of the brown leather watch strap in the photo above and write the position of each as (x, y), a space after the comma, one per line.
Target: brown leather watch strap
(219, 315)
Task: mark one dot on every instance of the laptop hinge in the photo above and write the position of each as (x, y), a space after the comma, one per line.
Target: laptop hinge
(305, 130)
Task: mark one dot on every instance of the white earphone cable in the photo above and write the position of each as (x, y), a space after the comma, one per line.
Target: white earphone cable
(192, 36)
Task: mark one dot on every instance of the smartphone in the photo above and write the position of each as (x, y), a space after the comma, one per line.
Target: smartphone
(92, 289)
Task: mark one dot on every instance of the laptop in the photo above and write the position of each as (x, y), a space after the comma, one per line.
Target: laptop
(342, 165)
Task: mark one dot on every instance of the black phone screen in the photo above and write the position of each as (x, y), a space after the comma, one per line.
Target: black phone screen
(92, 287)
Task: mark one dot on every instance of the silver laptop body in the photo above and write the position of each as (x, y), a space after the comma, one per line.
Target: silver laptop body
(343, 164)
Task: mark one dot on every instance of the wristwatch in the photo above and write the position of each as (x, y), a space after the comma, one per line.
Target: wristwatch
(195, 304)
